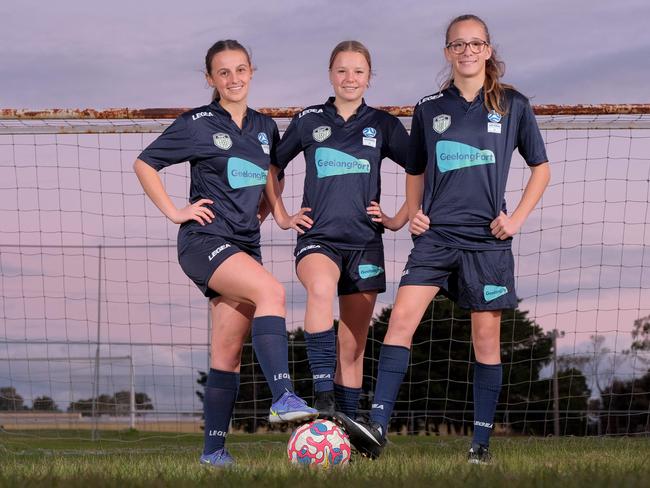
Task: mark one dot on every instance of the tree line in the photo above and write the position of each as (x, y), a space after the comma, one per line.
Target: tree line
(437, 392)
(116, 404)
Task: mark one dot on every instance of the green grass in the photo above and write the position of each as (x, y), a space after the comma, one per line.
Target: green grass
(143, 459)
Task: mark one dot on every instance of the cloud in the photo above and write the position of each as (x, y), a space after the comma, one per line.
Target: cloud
(150, 54)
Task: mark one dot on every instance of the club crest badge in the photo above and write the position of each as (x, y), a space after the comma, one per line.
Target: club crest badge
(321, 133)
(222, 141)
(262, 137)
(441, 123)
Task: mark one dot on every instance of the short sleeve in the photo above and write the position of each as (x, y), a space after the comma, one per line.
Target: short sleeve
(397, 145)
(173, 146)
(529, 138)
(416, 161)
(275, 141)
(290, 145)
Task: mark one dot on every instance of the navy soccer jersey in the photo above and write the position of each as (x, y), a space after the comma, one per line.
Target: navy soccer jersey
(464, 153)
(343, 162)
(229, 165)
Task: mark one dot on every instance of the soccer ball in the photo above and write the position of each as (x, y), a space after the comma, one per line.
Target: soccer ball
(320, 443)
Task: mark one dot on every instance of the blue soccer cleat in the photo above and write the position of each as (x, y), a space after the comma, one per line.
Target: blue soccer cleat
(218, 459)
(291, 408)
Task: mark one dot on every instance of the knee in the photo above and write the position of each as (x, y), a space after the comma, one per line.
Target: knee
(226, 356)
(272, 294)
(401, 327)
(486, 342)
(351, 348)
(321, 292)
(400, 319)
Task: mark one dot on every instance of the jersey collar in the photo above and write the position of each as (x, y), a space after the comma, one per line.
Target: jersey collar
(453, 89)
(330, 109)
(216, 106)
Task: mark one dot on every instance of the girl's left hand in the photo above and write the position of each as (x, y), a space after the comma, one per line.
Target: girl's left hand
(504, 227)
(374, 210)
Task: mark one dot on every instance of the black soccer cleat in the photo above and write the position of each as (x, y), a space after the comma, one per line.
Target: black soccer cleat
(479, 454)
(366, 437)
(325, 404)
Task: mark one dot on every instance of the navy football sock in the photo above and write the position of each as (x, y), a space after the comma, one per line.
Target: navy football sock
(393, 363)
(487, 386)
(321, 351)
(347, 399)
(220, 395)
(270, 345)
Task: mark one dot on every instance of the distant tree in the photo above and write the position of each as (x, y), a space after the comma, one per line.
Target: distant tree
(10, 399)
(626, 406)
(573, 393)
(122, 400)
(201, 381)
(117, 404)
(45, 404)
(640, 348)
(598, 362)
(103, 406)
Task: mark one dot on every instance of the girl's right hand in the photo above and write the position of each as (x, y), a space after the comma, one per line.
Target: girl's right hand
(194, 211)
(298, 220)
(419, 223)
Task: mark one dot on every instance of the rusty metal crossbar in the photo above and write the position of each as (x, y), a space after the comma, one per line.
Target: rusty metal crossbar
(152, 120)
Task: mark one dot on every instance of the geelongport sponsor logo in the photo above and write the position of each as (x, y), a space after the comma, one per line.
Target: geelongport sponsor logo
(242, 173)
(330, 162)
(369, 270)
(453, 155)
(490, 292)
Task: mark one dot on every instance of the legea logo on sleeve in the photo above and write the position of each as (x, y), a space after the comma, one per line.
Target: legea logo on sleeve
(453, 155)
(242, 173)
(330, 162)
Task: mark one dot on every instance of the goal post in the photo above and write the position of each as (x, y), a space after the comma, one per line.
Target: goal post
(88, 269)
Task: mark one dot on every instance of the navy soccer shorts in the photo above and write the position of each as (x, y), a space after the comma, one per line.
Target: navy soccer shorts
(361, 269)
(475, 280)
(201, 254)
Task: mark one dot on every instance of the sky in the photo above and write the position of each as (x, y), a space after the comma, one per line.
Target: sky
(144, 54)
(78, 54)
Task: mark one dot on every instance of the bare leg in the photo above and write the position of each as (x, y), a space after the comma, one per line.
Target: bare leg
(356, 312)
(319, 275)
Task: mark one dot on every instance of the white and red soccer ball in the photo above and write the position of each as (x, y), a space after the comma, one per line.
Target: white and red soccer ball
(320, 443)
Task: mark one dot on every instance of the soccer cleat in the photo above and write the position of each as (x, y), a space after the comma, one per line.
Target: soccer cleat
(366, 436)
(325, 404)
(218, 459)
(291, 408)
(479, 454)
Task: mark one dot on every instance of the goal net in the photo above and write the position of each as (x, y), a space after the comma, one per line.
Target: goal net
(100, 329)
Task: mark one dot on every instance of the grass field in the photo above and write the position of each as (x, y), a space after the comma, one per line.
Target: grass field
(29, 459)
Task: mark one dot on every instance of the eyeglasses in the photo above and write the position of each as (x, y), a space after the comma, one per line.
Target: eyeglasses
(459, 46)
